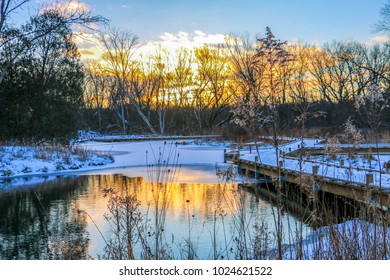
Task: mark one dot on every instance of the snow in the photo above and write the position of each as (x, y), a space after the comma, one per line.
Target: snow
(354, 173)
(26, 161)
(354, 239)
(32, 165)
(128, 154)
(92, 155)
(95, 136)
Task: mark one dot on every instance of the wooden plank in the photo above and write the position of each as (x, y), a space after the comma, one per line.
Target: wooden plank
(372, 195)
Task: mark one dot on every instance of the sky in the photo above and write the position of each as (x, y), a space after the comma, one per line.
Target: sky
(185, 22)
(291, 20)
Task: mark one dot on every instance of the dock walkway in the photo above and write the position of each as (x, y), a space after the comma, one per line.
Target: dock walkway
(339, 179)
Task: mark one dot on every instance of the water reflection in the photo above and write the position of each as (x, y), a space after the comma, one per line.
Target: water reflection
(66, 219)
(40, 222)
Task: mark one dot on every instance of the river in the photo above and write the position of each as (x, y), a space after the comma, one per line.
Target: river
(203, 218)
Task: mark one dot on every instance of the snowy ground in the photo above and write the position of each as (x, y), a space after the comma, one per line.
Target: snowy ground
(353, 239)
(29, 165)
(362, 161)
(95, 136)
(22, 162)
(129, 154)
(25, 160)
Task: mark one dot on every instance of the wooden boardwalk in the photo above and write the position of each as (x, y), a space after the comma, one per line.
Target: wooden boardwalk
(307, 175)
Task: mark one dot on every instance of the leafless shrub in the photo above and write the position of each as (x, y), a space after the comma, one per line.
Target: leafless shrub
(125, 219)
(41, 154)
(82, 153)
(332, 147)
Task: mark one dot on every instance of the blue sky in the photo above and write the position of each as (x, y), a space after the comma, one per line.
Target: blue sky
(304, 20)
(308, 21)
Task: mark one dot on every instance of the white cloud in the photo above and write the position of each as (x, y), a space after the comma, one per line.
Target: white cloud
(317, 43)
(379, 39)
(168, 37)
(210, 39)
(75, 5)
(90, 46)
(66, 6)
(179, 40)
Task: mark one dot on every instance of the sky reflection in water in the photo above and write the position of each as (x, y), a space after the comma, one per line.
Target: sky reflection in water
(35, 220)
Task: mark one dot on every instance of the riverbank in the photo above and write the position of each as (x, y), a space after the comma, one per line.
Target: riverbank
(18, 164)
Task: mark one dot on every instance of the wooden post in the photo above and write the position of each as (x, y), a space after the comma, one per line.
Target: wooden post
(256, 171)
(369, 179)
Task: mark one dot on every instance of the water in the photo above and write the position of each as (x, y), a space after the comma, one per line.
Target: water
(65, 219)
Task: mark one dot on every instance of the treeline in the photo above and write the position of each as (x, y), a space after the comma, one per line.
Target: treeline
(236, 88)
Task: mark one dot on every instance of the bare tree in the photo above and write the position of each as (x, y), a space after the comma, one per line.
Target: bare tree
(96, 92)
(162, 96)
(242, 58)
(383, 25)
(7, 7)
(181, 77)
(211, 95)
(121, 48)
(302, 92)
(335, 77)
(69, 16)
(145, 84)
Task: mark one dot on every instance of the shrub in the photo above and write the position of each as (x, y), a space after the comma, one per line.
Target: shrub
(6, 173)
(26, 169)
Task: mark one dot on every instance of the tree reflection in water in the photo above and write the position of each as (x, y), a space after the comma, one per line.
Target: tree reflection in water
(41, 222)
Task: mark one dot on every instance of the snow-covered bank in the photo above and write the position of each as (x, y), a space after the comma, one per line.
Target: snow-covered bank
(353, 239)
(90, 156)
(16, 161)
(21, 165)
(95, 136)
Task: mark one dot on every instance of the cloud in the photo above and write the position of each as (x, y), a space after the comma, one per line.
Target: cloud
(75, 5)
(210, 39)
(89, 45)
(379, 39)
(187, 40)
(69, 6)
(91, 48)
(317, 43)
